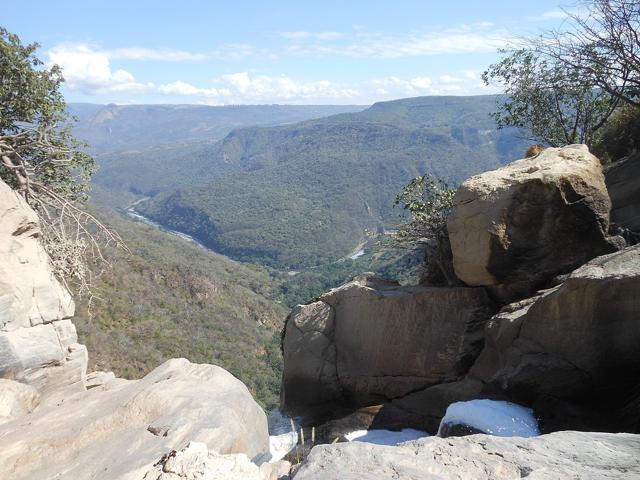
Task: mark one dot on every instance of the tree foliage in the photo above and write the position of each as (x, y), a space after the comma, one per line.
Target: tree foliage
(549, 101)
(600, 43)
(429, 202)
(563, 86)
(40, 158)
(620, 136)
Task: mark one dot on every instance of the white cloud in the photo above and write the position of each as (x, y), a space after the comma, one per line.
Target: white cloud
(248, 88)
(239, 51)
(302, 35)
(395, 87)
(243, 87)
(473, 38)
(182, 88)
(560, 14)
(89, 71)
(166, 55)
(449, 79)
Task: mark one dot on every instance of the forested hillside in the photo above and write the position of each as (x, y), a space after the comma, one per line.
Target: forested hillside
(301, 195)
(171, 298)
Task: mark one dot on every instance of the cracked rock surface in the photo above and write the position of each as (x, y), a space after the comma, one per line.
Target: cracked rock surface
(561, 455)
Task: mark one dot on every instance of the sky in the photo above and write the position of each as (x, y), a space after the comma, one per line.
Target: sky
(267, 52)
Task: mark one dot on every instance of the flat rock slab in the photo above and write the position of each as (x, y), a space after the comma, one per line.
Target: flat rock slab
(561, 455)
(122, 428)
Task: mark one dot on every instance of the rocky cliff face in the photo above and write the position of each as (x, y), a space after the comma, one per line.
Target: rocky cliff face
(195, 421)
(569, 351)
(38, 342)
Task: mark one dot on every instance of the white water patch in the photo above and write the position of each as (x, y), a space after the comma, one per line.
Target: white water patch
(283, 435)
(131, 212)
(500, 418)
(385, 437)
(358, 254)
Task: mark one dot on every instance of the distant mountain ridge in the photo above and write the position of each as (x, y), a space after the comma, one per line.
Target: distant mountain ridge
(294, 196)
(116, 127)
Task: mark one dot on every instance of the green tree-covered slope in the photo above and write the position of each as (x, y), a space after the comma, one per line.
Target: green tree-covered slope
(302, 195)
(171, 298)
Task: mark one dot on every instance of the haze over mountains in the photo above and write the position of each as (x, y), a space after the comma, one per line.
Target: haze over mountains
(108, 128)
(295, 195)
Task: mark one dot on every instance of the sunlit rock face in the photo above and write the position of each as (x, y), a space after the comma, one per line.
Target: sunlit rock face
(515, 228)
(121, 428)
(38, 342)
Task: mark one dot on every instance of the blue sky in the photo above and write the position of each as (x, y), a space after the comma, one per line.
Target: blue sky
(287, 52)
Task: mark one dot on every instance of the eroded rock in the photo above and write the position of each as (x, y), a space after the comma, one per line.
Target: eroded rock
(16, 399)
(577, 343)
(30, 294)
(623, 184)
(196, 462)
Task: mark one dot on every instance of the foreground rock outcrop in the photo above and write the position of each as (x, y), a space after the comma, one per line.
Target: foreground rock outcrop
(122, 428)
(515, 228)
(562, 455)
(371, 340)
(571, 353)
(196, 462)
(38, 344)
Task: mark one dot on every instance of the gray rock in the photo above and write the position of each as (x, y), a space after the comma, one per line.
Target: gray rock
(577, 343)
(371, 341)
(106, 432)
(562, 455)
(46, 356)
(623, 184)
(515, 228)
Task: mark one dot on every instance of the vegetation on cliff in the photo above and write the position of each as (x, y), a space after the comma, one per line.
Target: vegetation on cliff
(302, 195)
(171, 298)
(42, 160)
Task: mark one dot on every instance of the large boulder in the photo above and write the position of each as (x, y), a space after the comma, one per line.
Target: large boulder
(623, 184)
(575, 345)
(122, 428)
(585, 456)
(515, 228)
(371, 340)
(38, 344)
